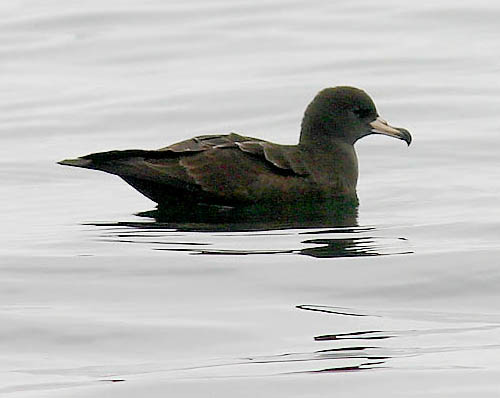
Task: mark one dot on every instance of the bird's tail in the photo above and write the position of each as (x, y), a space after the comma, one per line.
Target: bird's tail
(99, 160)
(78, 162)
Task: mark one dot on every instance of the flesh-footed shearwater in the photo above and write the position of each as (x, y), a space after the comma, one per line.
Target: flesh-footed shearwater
(232, 169)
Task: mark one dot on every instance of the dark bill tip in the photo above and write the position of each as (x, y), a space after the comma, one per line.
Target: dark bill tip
(405, 135)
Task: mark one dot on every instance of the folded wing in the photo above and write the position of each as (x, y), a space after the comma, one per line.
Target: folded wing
(214, 168)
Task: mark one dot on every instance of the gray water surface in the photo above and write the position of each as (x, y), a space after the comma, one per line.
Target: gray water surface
(96, 301)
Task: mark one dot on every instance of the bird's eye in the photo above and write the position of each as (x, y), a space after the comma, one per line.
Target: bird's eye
(361, 112)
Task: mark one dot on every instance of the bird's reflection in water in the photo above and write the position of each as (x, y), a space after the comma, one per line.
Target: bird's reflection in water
(260, 217)
(333, 224)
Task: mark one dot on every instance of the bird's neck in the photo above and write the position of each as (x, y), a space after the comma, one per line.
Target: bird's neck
(324, 143)
(335, 162)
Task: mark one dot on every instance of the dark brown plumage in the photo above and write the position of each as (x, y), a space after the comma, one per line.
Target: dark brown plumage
(234, 170)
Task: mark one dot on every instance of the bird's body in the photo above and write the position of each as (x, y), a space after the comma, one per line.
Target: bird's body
(230, 170)
(237, 170)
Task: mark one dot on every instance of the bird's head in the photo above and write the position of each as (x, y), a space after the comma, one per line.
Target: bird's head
(344, 114)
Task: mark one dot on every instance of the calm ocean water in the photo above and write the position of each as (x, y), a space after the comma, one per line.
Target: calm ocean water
(96, 301)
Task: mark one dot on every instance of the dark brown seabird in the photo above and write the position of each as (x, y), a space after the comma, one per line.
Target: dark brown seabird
(234, 170)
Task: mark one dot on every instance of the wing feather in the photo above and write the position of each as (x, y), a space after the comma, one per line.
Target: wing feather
(231, 167)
